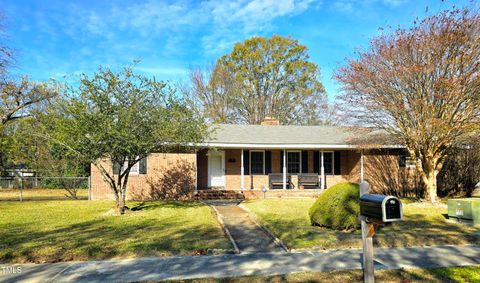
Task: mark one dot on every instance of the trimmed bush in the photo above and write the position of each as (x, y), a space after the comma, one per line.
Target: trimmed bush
(337, 208)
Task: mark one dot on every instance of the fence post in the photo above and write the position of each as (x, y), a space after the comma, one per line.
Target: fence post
(89, 188)
(21, 187)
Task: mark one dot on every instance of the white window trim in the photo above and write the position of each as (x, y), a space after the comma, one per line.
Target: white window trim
(134, 171)
(300, 160)
(250, 162)
(333, 162)
(410, 162)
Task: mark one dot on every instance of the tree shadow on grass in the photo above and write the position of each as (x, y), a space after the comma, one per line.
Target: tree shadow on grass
(107, 237)
(149, 205)
(416, 230)
(420, 230)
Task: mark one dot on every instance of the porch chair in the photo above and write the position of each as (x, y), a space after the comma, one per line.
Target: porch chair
(275, 181)
(308, 180)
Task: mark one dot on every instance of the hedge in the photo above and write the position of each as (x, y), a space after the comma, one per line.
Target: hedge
(337, 208)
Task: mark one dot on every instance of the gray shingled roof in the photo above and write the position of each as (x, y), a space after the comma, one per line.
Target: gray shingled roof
(259, 134)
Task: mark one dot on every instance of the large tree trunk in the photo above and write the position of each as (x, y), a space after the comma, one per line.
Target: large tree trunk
(429, 177)
(122, 189)
(120, 205)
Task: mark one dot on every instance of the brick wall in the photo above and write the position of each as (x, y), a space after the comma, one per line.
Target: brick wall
(375, 162)
(383, 173)
(157, 164)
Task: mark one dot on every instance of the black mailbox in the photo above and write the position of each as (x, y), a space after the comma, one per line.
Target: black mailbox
(381, 207)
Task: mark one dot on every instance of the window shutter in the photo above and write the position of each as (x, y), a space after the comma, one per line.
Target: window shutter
(246, 162)
(116, 168)
(402, 158)
(268, 162)
(281, 161)
(142, 166)
(316, 162)
(337, 170)
(304, 161)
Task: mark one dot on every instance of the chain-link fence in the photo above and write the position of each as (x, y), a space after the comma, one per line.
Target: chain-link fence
(44, 182)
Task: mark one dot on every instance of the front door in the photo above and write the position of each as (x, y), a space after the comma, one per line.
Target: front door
(216, 169)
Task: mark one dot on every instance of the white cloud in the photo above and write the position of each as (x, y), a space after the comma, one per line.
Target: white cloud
(344, 6)
(118, 33)
(220, 22)
(234, 20)
(394, 3)
(351, 6)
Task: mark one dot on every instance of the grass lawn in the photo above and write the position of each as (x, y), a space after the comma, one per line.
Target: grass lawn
(50, 231)
(40, 194)
(451, 274)
(423, 225)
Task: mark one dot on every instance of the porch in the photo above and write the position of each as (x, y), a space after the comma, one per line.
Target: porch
(254, 169)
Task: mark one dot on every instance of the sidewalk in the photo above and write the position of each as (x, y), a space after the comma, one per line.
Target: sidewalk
(248, 236)
(188, 267)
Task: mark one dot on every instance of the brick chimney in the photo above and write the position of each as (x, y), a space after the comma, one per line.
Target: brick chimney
(270, 121)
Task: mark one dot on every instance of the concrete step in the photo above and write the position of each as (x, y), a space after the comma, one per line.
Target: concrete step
(219, 194)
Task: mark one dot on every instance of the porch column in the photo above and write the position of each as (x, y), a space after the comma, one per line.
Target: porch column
(361, 165)
(242, 171)
(196, 171)
(322, 172)
(284, 169)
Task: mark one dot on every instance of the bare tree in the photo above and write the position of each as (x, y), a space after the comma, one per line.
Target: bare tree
(19, 98)
(421, 85)
(213, 90)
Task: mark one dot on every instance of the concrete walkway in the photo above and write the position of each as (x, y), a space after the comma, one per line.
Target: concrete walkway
(248, 235)
(188, 267)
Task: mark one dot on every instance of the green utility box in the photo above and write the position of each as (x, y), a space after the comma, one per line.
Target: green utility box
(466, 209)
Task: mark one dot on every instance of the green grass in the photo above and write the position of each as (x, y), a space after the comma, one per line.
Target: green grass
(423, 225)
(451, 274)
(39, 194)
(50, 231)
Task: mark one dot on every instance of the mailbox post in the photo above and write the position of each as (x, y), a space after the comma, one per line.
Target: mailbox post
(375, 211)
(367, 241)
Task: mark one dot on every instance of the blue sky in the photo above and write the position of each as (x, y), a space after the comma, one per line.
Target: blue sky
(61, 38)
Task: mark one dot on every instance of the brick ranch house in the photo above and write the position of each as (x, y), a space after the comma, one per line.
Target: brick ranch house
(247, 159)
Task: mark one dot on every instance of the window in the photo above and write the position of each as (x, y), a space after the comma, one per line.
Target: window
(402, 160)
(139, 168)
(405, 160)
(293, 162)
(134, 169)
(257, 162)
(328, 162)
